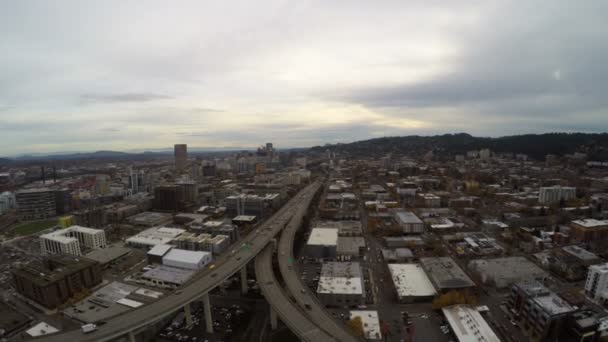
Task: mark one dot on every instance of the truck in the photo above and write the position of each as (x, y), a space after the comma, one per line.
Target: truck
(87, 328)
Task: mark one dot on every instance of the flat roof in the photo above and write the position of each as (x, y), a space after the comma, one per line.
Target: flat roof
(411, 280)
(407, 217)
(468, 325)
(129, 303)
(155, 235)
(445, 273)
(183, 255)
(169, 274)
(591, 223)
(41, 329)
(371, 323)
(159, 250)
(323, 236)
(505, 271)
(108, 254)
(553, 304)
(340, 278)
(580, 253)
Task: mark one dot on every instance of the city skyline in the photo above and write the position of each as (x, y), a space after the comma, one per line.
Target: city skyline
(297, 74)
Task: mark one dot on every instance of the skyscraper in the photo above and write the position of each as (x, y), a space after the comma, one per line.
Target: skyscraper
(181, 156)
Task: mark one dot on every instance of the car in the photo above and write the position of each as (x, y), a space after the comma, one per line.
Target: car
(212, 266)
(303, 290)
(178, 292)
(513, 322)
(308, 306)
(213, 275)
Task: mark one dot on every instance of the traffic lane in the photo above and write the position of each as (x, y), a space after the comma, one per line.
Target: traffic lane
(138, 318)
(298, 289)
(289, 313)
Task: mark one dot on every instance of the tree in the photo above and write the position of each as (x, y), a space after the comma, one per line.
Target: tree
(452, 298)
(355, 325)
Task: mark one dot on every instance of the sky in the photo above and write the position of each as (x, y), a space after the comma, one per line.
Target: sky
(134, 75)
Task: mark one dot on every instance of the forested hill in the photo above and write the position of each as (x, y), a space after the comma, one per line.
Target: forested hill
(534, 145)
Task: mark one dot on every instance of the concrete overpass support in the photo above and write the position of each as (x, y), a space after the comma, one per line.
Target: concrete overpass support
(208, 318)
(274, 323)
(244, 286)
(131, 336)
(188, 313)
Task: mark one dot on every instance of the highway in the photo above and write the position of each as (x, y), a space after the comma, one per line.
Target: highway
(225, 266)
(297, 321)
(299, 290)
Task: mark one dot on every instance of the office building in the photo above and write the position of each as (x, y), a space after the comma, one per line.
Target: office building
(554, 194)
(597, 282)
(588, 230)
(36, 204)
(60, 278)
(71, 240)
(181, 156)
(7, 202)
(540, 311)
(92, 217)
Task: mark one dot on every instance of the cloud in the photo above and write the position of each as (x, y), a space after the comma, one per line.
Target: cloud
(126, 97)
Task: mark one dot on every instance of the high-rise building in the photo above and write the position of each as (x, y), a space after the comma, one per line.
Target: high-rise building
(597, 282)
(181, 156)
(554, 194)
(92, 217)
(36, 204)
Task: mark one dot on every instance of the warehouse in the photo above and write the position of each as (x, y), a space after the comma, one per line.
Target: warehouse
(408, 222)
(154, 236)
(341, 284)
(468, 325)
(322, 243)
(445, 274)
(165, 277)
(190, 260)
(155, 254)
(411, 283)
(502, 272)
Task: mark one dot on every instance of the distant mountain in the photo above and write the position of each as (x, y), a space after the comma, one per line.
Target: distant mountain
(535, 145)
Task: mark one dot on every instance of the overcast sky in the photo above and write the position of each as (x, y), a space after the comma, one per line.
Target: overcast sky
(124, 75)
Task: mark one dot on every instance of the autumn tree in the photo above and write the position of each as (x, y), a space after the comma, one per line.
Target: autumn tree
(355, 325)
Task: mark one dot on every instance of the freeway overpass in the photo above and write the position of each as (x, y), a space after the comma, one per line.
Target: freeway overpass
(129, 323)
(298, 322)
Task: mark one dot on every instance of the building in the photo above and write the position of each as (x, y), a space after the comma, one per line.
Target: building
(322, 243)
(371, 323)
(445, 274)
(150, 219)
(541, 312)
(589, 230)
(181, 156)
(71, 240)
(190, 260)
(468, 325)
(411, 283)
(7, 202)
(584, 325)
(597, 282)
(165, 277)
(11, 321)
(156, 254)
(203, 242)
(408, 222)
(92, 217)
(154, 236)
(60, 278)
(169, 198)
(36, 204)
(555, 194)
(350, 246)
(341, 284)
(502, 272)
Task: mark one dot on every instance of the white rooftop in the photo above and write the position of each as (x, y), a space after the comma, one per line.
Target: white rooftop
(590, 223)
(411, 280)
(371, 323)
(159, 250)
(155, 235)
(323, 236)
(468, 325)
(185, 255)
(41, 329)
(341, 278)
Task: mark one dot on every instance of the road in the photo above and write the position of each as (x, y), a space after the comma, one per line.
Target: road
(299, 290)
(225, 266)
(298, 322)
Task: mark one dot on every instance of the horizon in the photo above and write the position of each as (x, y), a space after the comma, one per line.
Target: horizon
(298, 74)
(203, 149)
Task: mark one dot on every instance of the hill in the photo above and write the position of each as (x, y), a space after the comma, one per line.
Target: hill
(535, 145)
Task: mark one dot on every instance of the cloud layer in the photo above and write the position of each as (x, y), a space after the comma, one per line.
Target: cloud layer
(80, 75)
